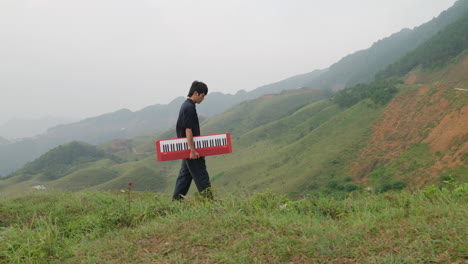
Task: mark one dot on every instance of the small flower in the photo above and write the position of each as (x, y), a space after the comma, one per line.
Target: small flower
(303, 196)
(130, 183)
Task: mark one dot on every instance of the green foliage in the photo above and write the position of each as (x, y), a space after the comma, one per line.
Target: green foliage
(58, 161)
(98, 227)
(435, 53)
(393, 175)
(386, 186)
(362, 66)
(379, 92)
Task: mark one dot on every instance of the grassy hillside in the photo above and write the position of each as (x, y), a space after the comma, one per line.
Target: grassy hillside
(427, 226)
(299, 153)
(421, 137)
(298, 142)
(388, 134)
(63, 160)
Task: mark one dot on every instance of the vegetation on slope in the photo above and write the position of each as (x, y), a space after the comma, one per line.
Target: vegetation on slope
(379, 92)
(61, 160)
(435, 53)
(104, 227)
(363, 65)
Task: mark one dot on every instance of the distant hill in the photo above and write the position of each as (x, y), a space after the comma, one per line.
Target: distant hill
(362, 66)
(126, 124)
(63, 160)
(435, 53)
(21, 128)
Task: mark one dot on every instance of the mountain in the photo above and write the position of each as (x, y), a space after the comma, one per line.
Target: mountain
(21, 128)
(126, 124)
(435, 53)
(362, 66)
(408, 130)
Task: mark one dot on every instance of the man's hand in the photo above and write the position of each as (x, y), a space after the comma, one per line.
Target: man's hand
(194, 154)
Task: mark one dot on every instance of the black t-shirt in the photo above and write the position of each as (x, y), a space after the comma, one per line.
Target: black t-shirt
(188, 118)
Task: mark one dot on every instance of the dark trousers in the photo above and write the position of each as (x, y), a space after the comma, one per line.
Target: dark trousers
(192, 169)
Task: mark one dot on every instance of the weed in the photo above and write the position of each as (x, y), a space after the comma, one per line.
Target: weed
(97, 227)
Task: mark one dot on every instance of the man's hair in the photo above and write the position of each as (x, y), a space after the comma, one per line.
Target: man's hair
(199, 87)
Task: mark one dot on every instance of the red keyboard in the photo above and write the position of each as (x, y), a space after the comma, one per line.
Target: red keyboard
(208, 145)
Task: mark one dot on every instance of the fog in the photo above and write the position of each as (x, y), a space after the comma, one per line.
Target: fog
(78, 59)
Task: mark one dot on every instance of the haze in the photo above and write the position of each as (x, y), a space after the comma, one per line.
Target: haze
(83, 58)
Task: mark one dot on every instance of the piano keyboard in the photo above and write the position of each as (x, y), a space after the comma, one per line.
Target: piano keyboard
(209, 145)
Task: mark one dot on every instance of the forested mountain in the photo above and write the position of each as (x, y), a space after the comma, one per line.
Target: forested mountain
(363, 65)
(435, 53)
(62, 160)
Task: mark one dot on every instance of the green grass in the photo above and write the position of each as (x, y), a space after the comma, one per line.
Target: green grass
(113, 227)
(408, 166)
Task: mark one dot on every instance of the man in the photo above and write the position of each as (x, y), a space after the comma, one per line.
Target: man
(188, 127)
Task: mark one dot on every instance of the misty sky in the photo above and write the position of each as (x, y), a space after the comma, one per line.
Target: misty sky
(82, 58)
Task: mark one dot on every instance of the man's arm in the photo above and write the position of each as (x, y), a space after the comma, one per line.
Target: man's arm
(193, 152)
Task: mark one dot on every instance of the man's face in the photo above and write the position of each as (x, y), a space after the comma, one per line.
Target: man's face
(198, 98)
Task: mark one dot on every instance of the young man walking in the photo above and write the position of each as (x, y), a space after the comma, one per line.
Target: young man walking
(188, 127)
